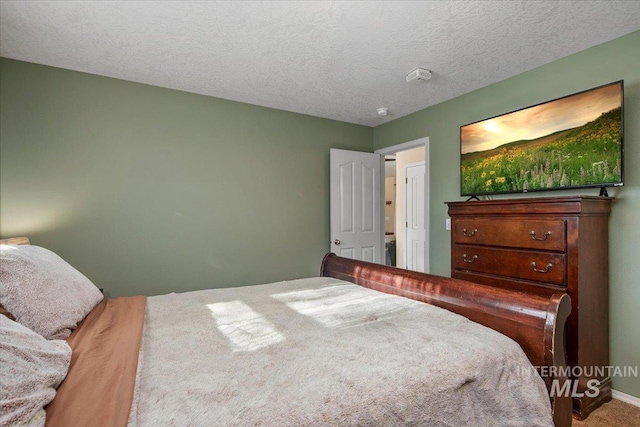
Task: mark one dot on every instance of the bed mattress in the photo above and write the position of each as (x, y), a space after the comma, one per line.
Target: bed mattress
(321, 351)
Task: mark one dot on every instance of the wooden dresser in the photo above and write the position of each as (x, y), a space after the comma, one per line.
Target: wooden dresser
(546, 245)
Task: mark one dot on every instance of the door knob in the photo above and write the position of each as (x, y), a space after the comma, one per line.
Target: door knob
(336, 242)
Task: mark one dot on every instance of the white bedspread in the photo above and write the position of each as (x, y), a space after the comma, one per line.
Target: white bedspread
(321, 351)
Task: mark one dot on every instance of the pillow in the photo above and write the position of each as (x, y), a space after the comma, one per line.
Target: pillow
(32, 368)
(43, 292)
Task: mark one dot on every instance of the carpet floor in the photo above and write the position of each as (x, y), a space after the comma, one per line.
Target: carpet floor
(612, 414)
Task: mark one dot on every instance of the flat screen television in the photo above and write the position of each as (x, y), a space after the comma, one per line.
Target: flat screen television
(569, 142)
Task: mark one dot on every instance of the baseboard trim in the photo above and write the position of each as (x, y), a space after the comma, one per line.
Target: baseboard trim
(635, 401)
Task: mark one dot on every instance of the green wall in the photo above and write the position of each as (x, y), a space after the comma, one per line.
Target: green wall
(616, 60)
(149, 190)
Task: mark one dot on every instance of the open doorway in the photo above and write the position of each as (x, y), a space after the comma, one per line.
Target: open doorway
(407, 205)
(390, 210)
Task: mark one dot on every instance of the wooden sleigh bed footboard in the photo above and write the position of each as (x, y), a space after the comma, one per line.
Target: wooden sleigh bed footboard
(535, 322)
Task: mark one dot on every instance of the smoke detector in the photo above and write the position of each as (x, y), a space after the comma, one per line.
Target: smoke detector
(419, 75)
(383, 111)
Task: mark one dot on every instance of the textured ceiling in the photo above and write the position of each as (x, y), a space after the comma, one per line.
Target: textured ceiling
(339, 60)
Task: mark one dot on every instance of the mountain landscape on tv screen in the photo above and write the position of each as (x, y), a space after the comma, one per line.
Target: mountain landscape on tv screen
(587, 155)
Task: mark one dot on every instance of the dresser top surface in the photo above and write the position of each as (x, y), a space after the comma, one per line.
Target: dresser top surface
(573, 205)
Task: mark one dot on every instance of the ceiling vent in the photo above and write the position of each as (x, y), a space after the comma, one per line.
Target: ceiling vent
(419, 75)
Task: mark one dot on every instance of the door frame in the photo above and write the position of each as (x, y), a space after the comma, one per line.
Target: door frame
(420, 142)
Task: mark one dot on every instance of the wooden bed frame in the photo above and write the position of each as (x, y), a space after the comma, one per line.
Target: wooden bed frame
(536, 322)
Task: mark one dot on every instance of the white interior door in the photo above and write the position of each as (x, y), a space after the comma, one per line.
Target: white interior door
(357, 209)
(414, 210)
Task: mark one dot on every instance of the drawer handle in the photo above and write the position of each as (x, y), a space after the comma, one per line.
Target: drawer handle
(473, 258)
(546, 268)
(539, 239)
(471, 234)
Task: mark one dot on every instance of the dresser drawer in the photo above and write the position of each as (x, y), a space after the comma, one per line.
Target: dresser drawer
(513, 284)
(531, 265)
(528, 234)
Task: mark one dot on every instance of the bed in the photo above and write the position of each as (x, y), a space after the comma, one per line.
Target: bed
(361, 344)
